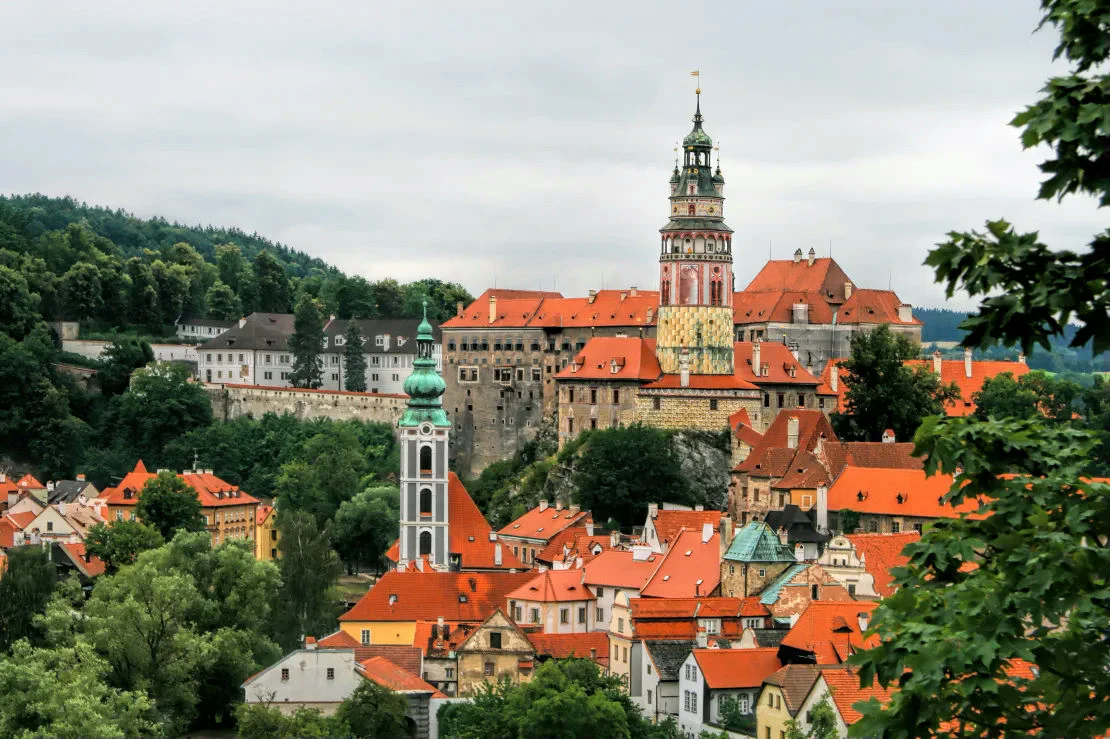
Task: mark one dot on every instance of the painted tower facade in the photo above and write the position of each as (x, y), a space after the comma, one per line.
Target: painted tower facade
(694, 330)
(424, 433)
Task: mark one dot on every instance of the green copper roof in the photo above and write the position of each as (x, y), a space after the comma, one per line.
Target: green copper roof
(771, 593)
(424, 386)
(697, 137)
(756, 542)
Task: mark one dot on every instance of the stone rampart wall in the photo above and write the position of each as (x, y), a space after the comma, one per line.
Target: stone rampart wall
(235, 401)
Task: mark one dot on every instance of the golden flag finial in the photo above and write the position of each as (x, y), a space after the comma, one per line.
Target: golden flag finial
(697, 73)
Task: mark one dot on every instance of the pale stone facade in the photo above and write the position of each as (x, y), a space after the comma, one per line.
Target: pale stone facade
(230, 402)
(706, 410)
(739, 579)
(706, 330)
(496, 649)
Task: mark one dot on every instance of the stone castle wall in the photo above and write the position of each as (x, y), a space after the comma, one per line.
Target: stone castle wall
(692, 411)
(235, 401)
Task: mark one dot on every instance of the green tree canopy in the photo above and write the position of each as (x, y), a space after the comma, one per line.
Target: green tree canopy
(309, 571)
(259, 721)
(354, 360)
(952, 634)
(373, 711)
(25, 589)
(19, 307)
(121, 543)
(883, 393)
(366, 525)
(168, 505)
(621, 470)
(305, 343)
(122, 357)
(162, 404)
(1029, 396)
(222, 302)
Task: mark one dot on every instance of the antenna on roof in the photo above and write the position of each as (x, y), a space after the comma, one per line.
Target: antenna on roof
(889, 279)
(830, 248)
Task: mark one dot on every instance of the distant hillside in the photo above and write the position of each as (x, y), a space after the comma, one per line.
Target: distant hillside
(114, 271)
(941, 324)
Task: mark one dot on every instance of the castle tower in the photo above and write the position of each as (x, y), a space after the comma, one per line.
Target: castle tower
(695, 265)
(424, 431)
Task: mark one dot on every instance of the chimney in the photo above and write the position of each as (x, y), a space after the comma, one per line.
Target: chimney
(795, 350)
(888, 436)
(439, 622)
(589, 528)
(593, 653)
(650, 315)
(801, 312)
(492, 535)
(578, 562)
(834, 378)
(558, 505)
(459, 309)
(593, 296)
(310, 643)
(702, 639)
(492, 308)
(653, 510)
(684, 367)
(624, 294)
(574, 509)
(49, 486)
(847, 290)
(797, 256)
(755, 357)
(1021, 358)
(706, 532)
(726, 534)
(784, 537)
(864, 619)
(420, 563)
(792, 432)
(242, 322)
(937, 362)
(905, 313)
(967, 362)
(3, 476)
(823, 509)
(80, 477)
(543, 505)
(699, 507)
(497, 554)
(641, 553)
(614, 538)
(62, 508)
(633, 291)
(812, 256)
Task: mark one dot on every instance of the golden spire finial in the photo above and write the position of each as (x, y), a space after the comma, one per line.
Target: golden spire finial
(697, 73)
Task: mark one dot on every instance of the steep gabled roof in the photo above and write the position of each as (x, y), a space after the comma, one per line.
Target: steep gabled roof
(804, 472)
(831, 630)
(668, 655)
(212, 492)
(690, 567)
(614, 358)
(553, 586)
(777, 306)
(880, 554)
(392, 676)
(426, 596)
(669, 523)
(605, 308)
(756, 542)
(771, 457)
(845, 689)
(873, 306)
(742, 428)
(620, 569)
(86, 565)
(824, 277)
(261, 331)
(795, 682)
(737, 668)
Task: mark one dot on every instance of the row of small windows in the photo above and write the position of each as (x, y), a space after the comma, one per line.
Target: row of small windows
(503, 375)
(783, 400)
(483, 345)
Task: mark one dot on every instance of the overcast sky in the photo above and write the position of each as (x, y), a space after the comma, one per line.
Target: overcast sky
(531, 143)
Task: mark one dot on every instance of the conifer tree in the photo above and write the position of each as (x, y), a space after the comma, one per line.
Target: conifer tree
(305, 343)
(354, 360)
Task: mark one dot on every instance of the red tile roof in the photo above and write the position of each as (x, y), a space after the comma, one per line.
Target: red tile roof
(779, 361)
(211, 490)
(881, 553)
(469, 533)
(457, 632)
(619, 569)
(573, 544)
(873, 306)
(689, 568)
(669, 523)
(844, 686)
(544, 523)
(90, 566)
(778, 306)
(830, 629)
(408, 658)
(338, 640)
(28, 482)
(564, 646)
(525, 308)
(877, 491)
(389, 675)
(426, 596)
(262, 513)
(737, 668)
(771, 457)
(824, 277)
(742, 428)
(553, 586)
(894, 455)
(795, 682)
(22, 519)
(708, 607)
(614, 358)
(804, 472)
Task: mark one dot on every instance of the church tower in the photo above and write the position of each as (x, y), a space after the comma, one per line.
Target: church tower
(424, 431)
(695, 266)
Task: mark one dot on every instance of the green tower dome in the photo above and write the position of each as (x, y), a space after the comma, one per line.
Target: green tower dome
(697, 137)
(424, 386)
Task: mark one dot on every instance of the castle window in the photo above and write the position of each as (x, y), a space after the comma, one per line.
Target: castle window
(616, 396)
(690, 208)
(782, 400)
(593, 396)
(713, 404)
(656, 403)
(451, 346)
(425, 460)
(570, 425)
(425, 542)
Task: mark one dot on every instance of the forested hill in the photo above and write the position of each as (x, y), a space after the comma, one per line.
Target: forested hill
(941, 324)
(112, 270)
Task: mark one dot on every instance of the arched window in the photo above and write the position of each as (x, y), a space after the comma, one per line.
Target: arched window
(665, 292)
(425, 460)
(425, 542)
(690, 209)
(425, 502)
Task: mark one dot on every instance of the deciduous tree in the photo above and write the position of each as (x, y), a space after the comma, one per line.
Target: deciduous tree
(365, 526)
(222, 302)
(25, 589)
(374, 711)
(121, 543)
(309, 570)
(168, 505)
(122, 357)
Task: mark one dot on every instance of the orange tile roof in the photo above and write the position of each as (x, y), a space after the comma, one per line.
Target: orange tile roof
(469, 533)
(804, 472)
(457, 632)
(338, 640)
(544, 523)
(28, 482)
(389, 675)
(565, 646)
(882, 553)
(211, 490)
(669, 523)
(824, 277)
(262, 513)
(877, 491)
(742, 428)
(708, 607)
(795, 682)
(689, 568)
(619, 569)
(952, 370)
(22, 519)
(553, 586)
(408, 658)
(771, 457)
(830, 629)
(894, 455)
(90, 566)
(7, 532)
(737, 668)
(631, 358)
(426, 596)
(873, 306)
(778, 306)
(844, 686)
(607, 308)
